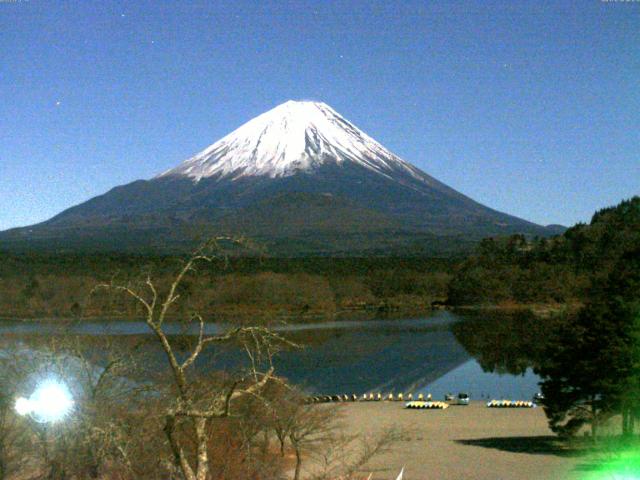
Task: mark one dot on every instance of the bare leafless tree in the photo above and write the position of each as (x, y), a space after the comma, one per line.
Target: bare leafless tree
(311, 428)
(193, 408)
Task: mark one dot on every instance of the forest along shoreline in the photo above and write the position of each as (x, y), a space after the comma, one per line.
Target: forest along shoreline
(32, 289)
(545, 275)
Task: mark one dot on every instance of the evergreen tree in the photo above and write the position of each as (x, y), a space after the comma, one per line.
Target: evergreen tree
(593, 366)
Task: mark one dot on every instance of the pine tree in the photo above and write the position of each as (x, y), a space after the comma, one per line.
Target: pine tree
(593, 367)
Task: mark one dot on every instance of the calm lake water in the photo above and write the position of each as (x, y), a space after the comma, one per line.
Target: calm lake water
(438, 354)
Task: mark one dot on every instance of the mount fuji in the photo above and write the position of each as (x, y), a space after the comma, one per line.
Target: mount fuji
(301, 179)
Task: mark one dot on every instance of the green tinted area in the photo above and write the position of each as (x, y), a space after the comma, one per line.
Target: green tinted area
(623, 465)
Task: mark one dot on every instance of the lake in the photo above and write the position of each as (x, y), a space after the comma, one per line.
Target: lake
(442, 353)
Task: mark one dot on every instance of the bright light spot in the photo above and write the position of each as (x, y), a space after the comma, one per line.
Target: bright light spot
(53, 401)
(23, 406)
(50, 402)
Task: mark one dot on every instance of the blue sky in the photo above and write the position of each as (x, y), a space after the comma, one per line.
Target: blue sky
(529, 107)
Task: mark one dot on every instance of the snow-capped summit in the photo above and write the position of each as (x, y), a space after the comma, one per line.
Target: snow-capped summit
(292, 137)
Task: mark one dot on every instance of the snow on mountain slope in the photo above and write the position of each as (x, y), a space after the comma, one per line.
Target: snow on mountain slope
(292, 137)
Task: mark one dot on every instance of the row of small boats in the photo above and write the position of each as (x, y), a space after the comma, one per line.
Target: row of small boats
(427, 405)
(491, 404)
(460, 399)
(368, 397)
(422, 402)
(511, 404)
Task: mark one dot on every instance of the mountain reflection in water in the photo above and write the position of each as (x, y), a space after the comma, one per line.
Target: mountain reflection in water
(434, 354)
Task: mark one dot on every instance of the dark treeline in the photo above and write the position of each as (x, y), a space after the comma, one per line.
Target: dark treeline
(556, 270)
(15, 264)
(46, 285)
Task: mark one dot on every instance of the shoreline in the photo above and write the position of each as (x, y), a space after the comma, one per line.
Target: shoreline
(360, 314)
(343, 315)
(538, 309)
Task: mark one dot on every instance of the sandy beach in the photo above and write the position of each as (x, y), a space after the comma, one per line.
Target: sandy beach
(464, 442)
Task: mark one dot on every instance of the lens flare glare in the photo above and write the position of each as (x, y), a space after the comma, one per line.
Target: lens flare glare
(49, 403)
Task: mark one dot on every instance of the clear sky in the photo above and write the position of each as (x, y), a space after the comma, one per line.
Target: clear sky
(530, 107)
